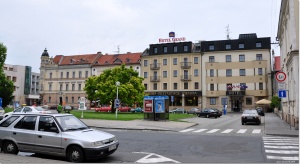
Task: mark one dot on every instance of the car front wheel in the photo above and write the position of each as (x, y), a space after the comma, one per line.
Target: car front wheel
(10, 147)
(75, 154)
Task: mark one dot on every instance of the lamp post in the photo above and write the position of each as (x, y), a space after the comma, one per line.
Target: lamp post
(183, 102)
(117, 84)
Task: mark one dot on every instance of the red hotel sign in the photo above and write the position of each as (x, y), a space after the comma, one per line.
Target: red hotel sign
(182, 39)
(148, 106)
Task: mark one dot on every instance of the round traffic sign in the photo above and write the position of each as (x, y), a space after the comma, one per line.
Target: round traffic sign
(280, 76)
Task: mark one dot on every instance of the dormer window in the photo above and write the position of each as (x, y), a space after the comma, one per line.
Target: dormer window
(128, 60)
(106, 62)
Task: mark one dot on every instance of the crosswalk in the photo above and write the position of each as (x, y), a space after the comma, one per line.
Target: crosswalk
(281, 148)
(222, 131)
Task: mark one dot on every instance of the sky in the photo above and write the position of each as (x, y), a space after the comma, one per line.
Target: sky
(76, 27)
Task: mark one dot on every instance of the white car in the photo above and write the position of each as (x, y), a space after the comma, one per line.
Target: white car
(27, 109)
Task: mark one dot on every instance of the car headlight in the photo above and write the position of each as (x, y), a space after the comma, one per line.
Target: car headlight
(98, 143)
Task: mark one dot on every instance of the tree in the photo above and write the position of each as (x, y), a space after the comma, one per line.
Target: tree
(275, 102)
(103, 87)
(6, 86)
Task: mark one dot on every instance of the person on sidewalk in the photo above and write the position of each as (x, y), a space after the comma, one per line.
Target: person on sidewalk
(59, 108)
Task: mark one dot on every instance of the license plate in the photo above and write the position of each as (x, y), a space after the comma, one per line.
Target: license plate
(112, 147)
(249, 117)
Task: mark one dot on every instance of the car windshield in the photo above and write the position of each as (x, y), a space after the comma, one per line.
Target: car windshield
(70, 123)
(250, 112)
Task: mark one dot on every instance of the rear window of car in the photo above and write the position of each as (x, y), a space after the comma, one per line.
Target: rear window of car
(9, 121)
(28, 122)
(250, 112)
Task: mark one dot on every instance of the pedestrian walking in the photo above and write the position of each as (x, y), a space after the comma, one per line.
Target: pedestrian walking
(59, 108)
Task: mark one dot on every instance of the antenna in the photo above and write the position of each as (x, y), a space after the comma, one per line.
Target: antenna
(227, 32)
(118, 49)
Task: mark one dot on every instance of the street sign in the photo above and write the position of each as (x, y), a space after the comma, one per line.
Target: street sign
(117, 103)
(280, 76)
(281, 86)
(282, 93)
(172, 98)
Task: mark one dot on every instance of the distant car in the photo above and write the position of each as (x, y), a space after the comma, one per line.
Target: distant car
(137, 110)
(55, 134)
(250, 115)
(260, 111)
(124, 109)
(192, 111)
(177, 110)
(52, 109)
(218, 111)
(67, 108)
(208, 112)
(2, 112)
(103, 109)
(28, 109)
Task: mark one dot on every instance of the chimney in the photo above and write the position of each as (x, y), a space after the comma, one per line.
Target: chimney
(99, 53)
(128, 52)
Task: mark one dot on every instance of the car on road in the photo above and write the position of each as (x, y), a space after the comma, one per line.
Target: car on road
(250, 115)
(192, 111)
(137, 110)
(67, 108)
(177, 110)
(54, 134)
(260, 111)
(2, 112)
(28, 109)
(208, 112)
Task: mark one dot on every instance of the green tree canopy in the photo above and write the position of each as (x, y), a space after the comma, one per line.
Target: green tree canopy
(275, 102)
(103, 87)
(6, 86)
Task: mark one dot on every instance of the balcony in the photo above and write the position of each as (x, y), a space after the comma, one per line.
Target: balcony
(155, 66)
(186, 77)
(186, 65)
(154, 78)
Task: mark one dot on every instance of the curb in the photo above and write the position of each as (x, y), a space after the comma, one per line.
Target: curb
(133, 129)
(286, 135)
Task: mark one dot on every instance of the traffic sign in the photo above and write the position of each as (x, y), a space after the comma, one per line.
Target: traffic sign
(282, 93)
(280, 76)
(281, 86)
(117, 103)
(172, 98)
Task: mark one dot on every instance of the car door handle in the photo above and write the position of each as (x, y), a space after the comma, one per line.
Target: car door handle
(40, 136)
(14, 133)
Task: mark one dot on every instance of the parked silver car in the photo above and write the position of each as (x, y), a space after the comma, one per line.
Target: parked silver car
(54, 134)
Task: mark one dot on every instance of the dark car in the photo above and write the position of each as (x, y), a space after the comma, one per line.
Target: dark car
(260, 111)
(208, 112)
(250, 115)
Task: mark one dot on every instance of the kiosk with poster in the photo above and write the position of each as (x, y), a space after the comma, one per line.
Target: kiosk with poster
(156, 108)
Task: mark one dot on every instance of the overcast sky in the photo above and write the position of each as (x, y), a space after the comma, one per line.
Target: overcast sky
(73, 27)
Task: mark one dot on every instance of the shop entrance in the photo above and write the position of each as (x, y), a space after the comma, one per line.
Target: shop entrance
(236, 104)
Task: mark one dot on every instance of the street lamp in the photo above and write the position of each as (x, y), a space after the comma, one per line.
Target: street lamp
(183, 102)
(117, 84)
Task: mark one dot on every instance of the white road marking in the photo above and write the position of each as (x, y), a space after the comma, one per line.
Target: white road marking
(268, 143)
(282, 151)
(242, 131)
(282, 147)
(256, 131)
(227, 131)
(283, 158)
(150, 159)
(200, 130)
(280, 141)
(213, 131)
(186, 130)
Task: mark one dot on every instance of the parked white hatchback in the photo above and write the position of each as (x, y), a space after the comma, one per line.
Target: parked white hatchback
(27, 109)
(54, 134)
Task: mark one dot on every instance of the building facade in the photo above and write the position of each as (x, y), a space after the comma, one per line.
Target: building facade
(236, 73)
(288, 37)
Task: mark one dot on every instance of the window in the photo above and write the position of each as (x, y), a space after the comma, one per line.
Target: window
(165, 61)
(211, 47)
(242, 72)
(212, 101)
(155, 50)
(50, 87)
(228, 72)
(165, 49)
(73, 87)
(175, 73)
(146, 86)
(174, 61)
(175, 48)
(61, 75)
(79, 74)
(60, 87)
(165, 86)
(49, 99)
(14, 79)
(165, 74)
(50, 75)
(186, 85)
(67, 87)
(9, 121)
(73, 75)
(27, 122)
(196, 72)
(228, 58)
(196, 60)
(228, 46)
(154, 86)
(258, 56)
(261, 86)
(248, 100)
(175, 86)
(211, 59)
(79, 87)
(72, 99)
(185, 48)
(211, 73)
(241, 45)
(86, 74)
(212, 87)
(67, 74)
(196, 85)
(260, 71)
(241, 58)
(145, 63)
(47, 124)
(258, 44)
(145, 74)
(67, 99)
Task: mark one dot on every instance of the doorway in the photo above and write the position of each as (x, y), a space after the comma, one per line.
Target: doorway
(236, 104)
(60, 100)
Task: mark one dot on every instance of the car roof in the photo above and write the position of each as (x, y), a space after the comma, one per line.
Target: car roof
(41, 114)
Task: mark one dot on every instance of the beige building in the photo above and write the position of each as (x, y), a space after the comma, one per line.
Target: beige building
(173, 69)
(288, 36)
(236, 73)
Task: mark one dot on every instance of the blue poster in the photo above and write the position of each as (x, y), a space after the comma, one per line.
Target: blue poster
(159, 106)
